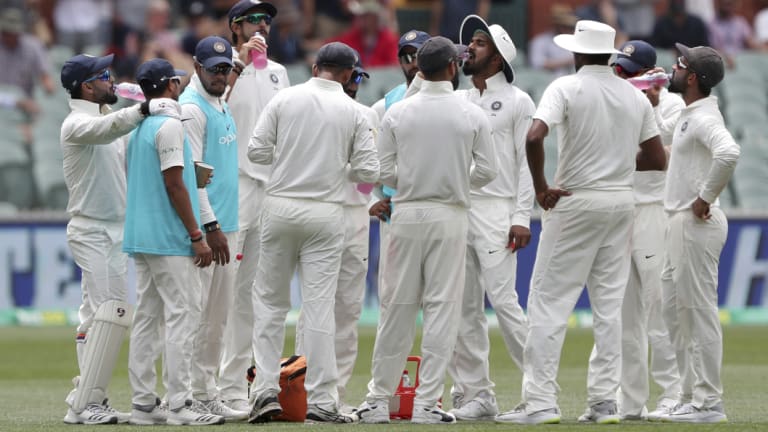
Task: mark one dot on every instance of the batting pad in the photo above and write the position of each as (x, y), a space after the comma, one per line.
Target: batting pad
(102, 346)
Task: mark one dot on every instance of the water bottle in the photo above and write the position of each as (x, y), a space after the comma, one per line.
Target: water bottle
(647, 81)
(365, 188)
(406, 379)
(130, 91)
(259, 58)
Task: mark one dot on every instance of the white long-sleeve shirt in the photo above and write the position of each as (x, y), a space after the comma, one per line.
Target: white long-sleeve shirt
(510, 111)
(94, 158)
(649, 185)
(704, 155)
(195, 122)
(251, 92)
(428, 143)
(353, 196)
(309, 133)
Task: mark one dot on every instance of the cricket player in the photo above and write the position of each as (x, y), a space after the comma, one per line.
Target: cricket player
(163, 236)
(94, 172)
(249, 93)
(315, 137)
(212, 135)
(642, 322)
(499, 221)
(587, 223)
(433, 146)
(703, 158)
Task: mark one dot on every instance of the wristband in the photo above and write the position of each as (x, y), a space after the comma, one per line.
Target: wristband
(197, 239)
(195, 234)
(212, 226)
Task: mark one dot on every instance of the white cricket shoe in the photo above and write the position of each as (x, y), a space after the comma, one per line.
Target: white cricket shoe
(217, 407)
(158, 415)
(688, 413)
(375, 412)
(520, 415)
(482, 407)
(122, 417)
(664, 408)
(457, 400)
(316, 414)
(193, 413)
(637, 417)
(93, 414)
(238, 404)
(604, 412)
(431, 415)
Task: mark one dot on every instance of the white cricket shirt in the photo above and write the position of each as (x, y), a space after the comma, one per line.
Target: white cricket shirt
(428, 144)
(94, 158)
(353, 196)
(600, 120)
(309, 133)
(703, 157)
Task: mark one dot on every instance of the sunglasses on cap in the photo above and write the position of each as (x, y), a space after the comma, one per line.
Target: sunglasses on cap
(174, 78)
(407, 58)
(104, 76)
(255, 18)
(219, 69)
(682, 65)
(357, 78)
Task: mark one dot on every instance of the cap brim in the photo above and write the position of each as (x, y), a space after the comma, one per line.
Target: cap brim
(180, 72)
(362, 72)
(684, 50)
(469, 26)
(271, 9)
(102, 63)
(568, 42)
(213, 61)
(627, 64)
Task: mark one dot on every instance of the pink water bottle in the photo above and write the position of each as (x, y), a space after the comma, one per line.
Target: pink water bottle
(259, 58)
(644, 82)
(130, 91)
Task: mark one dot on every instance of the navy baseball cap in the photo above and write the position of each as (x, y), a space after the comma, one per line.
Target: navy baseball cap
(359, 66)
(152, 73)
(212, 51)
(81, 67)
(636, 55)
(413, 38)
(243, 6)
(337, 54)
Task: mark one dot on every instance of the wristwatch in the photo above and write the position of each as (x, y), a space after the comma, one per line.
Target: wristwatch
(212, 226)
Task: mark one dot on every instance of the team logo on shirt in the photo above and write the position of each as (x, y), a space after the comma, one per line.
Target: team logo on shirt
(684, 126)
(496, 105)
(273, 78)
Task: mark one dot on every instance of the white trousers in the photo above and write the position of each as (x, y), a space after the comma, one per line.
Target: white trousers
(426, 258)
(96, 247)
(585, 239)
(237, 352)
(349, 293)
(492, 270)
(309, 234)
(689, 290)
(217, 285)
(642, 321)
(167, 294)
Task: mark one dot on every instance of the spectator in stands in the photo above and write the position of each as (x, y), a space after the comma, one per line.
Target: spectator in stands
(161, 40)
(25, 63)
(637, 16)
(730, 32)
(376, 43)
(603, 11)
(704, 9)
(325, 19)
(200, 25)
(77, 29)
(286, 45)
(543, 53)
(677, 25)
(761, 24)
(447, 15)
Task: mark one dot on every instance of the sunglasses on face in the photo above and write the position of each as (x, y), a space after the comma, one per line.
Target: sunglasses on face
(357, 78)
(104, 76)
(407, 58)
(219, 69)
(255, 18)
(680, 63)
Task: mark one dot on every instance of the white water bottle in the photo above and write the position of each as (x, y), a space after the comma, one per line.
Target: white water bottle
(644, 82)
(130, 91)
(259, 58)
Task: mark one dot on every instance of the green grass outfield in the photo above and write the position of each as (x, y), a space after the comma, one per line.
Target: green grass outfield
(36, 365)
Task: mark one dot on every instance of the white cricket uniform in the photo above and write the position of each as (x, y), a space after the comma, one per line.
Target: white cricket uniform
(216, 281)
(94, 172)
(167, 301)
(433, 146)
(350, 291)
(250, 94)
(586, 237)
(703, 158)
(491, 266)
(642, 320)
(315, 137)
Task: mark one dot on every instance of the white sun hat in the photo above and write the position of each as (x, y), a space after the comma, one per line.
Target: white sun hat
(589, 37)
(500, 37)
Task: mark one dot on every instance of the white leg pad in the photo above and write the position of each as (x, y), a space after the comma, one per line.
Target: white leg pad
(102, 346)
